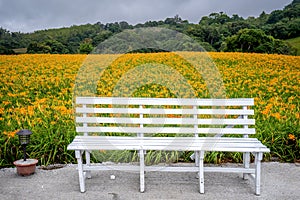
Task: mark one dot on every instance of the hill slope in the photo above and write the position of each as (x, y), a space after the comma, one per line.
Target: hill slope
(295, 42)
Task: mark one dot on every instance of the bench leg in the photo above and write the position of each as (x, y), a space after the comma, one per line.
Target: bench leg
(258, 158)
(201, 172)
(197, 158)
(78, 155)
(88, 163)
(246, 162)
(142, 171)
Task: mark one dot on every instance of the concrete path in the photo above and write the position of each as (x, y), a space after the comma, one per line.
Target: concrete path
(279, 181)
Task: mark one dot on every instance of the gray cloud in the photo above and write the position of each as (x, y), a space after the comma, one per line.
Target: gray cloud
(30, 15)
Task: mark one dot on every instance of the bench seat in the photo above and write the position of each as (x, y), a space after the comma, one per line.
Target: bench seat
(168, 143)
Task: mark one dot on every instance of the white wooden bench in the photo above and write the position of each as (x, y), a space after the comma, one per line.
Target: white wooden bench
(188, 119)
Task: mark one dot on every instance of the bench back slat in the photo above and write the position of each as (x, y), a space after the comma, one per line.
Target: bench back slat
(165, 130)
(166, 111)
(165, 101)
(164, 115)
(164, 121)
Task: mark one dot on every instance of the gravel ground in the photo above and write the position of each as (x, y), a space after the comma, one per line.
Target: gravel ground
(279, 181)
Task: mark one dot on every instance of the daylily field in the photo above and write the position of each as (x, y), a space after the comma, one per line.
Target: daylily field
(36, 93)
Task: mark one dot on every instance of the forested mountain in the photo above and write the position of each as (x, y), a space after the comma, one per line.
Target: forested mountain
(216, 32)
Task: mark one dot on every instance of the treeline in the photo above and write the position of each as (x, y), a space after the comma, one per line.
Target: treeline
(216, 32)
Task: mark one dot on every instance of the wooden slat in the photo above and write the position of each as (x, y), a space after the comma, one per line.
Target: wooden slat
(165, 130)
(130, 140)
(137, 168)
(176, 143)
(167, 168)
(169, 145)
(198, 147)
(165, 111)
(170, 148)
(127, 138)
(161, 140)
(162, 121)
(164, 101)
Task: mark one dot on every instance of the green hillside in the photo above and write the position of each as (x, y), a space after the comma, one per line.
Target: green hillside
(215, 32)
(295, 42)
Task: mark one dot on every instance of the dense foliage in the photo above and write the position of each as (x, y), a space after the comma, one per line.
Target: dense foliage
(216, 32)
(255, 40)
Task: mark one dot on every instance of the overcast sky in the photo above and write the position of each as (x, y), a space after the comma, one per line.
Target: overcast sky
(30, 15)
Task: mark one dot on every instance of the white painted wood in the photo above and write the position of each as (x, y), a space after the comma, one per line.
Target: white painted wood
(189, 117)
(169, 143)
(181, 130)
(163, 121)
(88, 162)
(165, 111)
(201, 172)
(142, 171)
(252, 176)
(258, 158)
(246, 155)
(164, 101)
(78, 155)
(82, 142)
(136, 168)
(229, 170)
(197, 153)
(140, 123)
(229, 126)
(87, 153)
(226, 139)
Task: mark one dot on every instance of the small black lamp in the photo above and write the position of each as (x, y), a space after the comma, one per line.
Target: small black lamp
(24, 137)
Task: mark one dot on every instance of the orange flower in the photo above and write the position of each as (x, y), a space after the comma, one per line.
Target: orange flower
(267, 109)
(10, 134)
(276, 115)
(292, 137)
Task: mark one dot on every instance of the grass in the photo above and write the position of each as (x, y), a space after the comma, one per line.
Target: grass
(20, 50)
(295, 42)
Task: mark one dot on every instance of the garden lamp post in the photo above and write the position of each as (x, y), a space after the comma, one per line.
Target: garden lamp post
(25, 167)
(24, 137)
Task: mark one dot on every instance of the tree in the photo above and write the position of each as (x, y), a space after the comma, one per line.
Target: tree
(285, 30)
(6, 41)
(36, 47)
(56, 47)
(275, 17)
(173, 21)
(263, 18)
(100, 37)
(236, 17)
(5, 51)
(292, 10)
(196, 31)
(282, 47)
(125, 25)
(113, 27)
(235, 26)
(246, 40)
(215, 18)
(86, 46)
(255, 40)
(151, 24)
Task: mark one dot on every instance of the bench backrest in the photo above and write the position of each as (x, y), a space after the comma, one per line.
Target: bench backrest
(113, 116)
